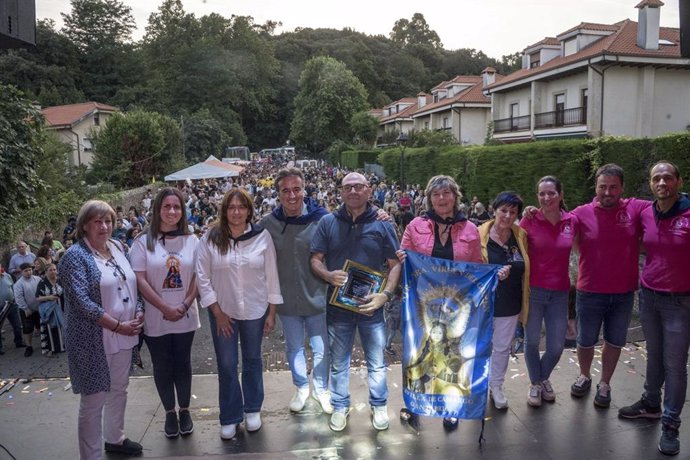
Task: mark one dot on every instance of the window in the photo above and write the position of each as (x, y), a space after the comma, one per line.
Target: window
(559, 106)
(534, 60)
(88, 146)
(426, 125)
(97, 119)
(445, 122)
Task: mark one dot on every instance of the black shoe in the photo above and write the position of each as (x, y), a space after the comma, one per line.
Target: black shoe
(127, 447)
(669, 444)
(28, 352)
(450, 423)
(640, 410)
(186, 424)
(172, 429)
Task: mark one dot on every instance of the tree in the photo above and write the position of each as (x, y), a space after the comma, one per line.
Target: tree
(133, 147)
(102, 31)
(20, 146)
(203, 136)
(365, 128)
(415, 32)
(328, 97)
(95, 23)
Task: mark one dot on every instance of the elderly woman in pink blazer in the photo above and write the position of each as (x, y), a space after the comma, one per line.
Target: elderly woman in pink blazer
(443, 232)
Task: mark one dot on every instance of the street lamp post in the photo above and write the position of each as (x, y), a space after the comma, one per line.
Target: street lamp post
(401, 141)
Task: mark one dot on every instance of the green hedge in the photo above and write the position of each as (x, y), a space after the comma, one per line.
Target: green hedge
(486, 170)
(355, 159)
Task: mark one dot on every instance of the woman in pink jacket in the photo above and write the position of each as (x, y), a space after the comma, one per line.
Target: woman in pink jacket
(443, 232)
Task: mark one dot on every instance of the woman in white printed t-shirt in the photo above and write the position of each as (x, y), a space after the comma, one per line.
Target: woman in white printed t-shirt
(163, 258)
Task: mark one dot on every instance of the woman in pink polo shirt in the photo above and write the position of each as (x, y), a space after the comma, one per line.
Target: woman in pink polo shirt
(550, 236)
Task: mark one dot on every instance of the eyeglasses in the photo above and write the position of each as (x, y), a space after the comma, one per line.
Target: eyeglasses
(117, 270)
(356, 187)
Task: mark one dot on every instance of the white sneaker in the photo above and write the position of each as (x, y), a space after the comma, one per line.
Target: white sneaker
(500, 400)
(324, 400)
(379, 417)
(228, 431)
(252, 421)
(299, 400)
(338, 420)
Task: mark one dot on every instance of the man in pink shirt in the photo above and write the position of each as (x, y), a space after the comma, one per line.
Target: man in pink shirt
(665, 305)
(608, 238)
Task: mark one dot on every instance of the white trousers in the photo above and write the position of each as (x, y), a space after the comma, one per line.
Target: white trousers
(504, 331)
(102, 415)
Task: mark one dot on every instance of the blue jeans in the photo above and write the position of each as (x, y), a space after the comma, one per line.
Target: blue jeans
(611, 310)
(666, 326)
(342, 325)
(234, 400)
(16, 323)
(293, 330)
(551, 308)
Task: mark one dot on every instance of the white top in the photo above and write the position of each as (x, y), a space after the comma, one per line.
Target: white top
(243, 281)
(169, 270)
(118, 296)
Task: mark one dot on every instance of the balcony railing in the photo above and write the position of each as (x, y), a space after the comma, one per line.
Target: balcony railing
(505, 125)
(567, 117)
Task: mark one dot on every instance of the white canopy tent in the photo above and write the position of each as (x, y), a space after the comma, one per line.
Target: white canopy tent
(211, 168)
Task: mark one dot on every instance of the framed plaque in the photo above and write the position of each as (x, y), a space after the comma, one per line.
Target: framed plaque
(361, 281)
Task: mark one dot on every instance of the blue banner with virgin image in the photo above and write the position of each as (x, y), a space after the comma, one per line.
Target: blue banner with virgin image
(447, 327)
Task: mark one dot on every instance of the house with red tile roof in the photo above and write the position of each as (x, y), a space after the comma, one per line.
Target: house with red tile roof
(458, 106)
(396, 117)
(627, 78)
(75, 124)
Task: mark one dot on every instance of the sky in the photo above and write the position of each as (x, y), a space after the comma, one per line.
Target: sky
(496, 27)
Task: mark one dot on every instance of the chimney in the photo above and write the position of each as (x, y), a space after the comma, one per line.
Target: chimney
(421, 100)
(648, 24)
(489, 76)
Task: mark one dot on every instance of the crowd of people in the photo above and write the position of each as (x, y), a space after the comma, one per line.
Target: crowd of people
(273, 243)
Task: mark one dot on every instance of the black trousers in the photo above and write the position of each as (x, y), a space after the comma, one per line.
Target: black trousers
(172, 367)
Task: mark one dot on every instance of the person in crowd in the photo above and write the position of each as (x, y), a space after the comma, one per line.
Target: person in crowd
(102, 326)
(147, 200)
(120, 231)
(49, 294)
(12, 314)
(479, 214)
(665, 305)
(70, 230)
(132, 234)
(55, 244)
(443, 231)
(25, 297)
(505, 243)
(237, 277)
(164, 260)
(303, 312)
(608, 240)
(40, 266)
(550, 237)
(22, 256)
(353, 232)
(135, 217)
